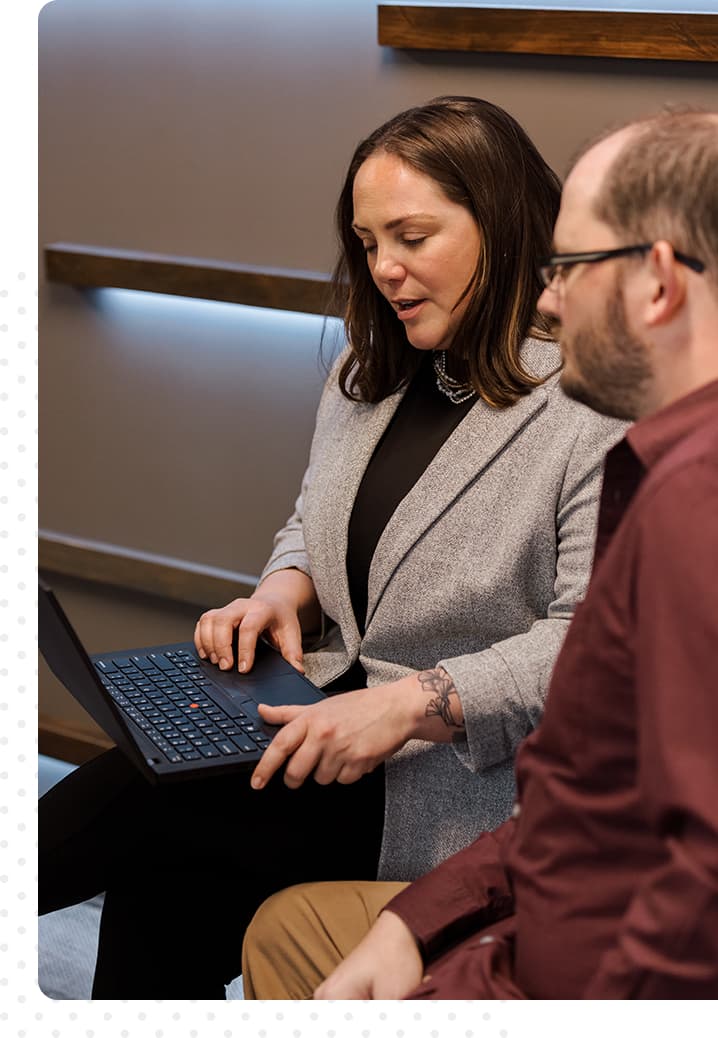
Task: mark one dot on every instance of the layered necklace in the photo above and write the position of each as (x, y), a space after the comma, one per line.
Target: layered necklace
(456, 391)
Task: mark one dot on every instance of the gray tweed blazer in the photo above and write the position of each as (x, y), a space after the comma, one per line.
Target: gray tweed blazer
(479, 570)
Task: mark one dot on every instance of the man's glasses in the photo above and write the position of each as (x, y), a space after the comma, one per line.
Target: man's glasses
(554, 269)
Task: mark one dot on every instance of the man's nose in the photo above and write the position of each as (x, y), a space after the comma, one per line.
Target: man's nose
(548, 302)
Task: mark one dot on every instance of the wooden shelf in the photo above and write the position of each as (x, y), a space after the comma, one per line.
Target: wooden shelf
(110, 564)
(70, 742)
(86, 266)
(604, 34)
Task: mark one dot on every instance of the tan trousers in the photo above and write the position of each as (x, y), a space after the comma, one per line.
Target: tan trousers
(300, 935)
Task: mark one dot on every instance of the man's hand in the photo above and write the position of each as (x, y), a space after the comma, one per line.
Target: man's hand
(385, 964)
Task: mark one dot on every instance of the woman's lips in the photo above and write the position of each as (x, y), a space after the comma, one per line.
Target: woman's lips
(406, 313)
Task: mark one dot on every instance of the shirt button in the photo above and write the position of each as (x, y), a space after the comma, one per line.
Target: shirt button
(516, 810)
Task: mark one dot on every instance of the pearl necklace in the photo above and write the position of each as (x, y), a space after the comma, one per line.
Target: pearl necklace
(456, 391)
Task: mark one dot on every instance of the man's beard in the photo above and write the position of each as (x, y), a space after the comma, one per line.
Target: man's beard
(609, 366)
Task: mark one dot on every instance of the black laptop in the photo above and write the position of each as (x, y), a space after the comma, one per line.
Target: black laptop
(174, 715)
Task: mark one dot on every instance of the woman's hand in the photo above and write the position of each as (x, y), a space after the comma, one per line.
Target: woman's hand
(347, 735)
(276, 609)
(385, 964)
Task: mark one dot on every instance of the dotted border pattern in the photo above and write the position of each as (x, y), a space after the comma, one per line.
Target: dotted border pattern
(24, 1010)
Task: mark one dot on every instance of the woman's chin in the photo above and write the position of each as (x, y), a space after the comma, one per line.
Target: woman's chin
(424, 344)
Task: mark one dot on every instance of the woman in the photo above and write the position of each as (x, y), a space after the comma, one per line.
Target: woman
(441, 540)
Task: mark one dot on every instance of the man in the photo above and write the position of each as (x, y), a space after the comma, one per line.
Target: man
(604, 883)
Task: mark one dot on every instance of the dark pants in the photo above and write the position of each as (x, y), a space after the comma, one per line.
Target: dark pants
(185, 867)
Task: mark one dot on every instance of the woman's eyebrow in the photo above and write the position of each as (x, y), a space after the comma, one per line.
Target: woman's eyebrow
(396, 222)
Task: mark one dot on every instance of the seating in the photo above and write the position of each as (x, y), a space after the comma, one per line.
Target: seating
(67, 940)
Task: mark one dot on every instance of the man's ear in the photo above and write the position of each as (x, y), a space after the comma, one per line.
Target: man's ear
(667, 285)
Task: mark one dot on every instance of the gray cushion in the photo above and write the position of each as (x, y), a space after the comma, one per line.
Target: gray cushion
(67, 950)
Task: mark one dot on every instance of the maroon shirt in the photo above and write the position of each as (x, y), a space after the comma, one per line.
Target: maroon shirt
(605, 882)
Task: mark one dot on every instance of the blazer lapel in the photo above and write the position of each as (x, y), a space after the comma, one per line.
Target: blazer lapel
(482, 434)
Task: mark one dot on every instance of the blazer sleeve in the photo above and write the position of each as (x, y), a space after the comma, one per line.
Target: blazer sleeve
(502, 688)
(289, 550)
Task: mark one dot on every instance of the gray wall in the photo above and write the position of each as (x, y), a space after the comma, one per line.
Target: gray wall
(222, 130)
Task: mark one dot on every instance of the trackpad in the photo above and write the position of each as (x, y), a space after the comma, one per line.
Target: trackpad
(281, 690)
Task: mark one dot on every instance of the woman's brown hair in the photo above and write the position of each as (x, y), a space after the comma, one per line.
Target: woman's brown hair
(483, 160)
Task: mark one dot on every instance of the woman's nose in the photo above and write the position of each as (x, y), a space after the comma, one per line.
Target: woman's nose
(387, 266)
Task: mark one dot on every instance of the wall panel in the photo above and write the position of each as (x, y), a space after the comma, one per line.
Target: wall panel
(221, 131)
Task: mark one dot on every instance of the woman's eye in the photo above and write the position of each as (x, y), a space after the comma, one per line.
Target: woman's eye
(414, 241)
(369, 246)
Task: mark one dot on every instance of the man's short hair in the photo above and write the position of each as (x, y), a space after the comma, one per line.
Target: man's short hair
(663, 183)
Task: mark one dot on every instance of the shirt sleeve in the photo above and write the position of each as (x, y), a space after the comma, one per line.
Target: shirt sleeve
(502, 689)
(468, 891)
(667, 941)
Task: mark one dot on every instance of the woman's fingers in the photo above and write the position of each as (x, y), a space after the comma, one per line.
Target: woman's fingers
(253, 616)
(256, 620)
(288, 637)
(282, 746)
(214, 630)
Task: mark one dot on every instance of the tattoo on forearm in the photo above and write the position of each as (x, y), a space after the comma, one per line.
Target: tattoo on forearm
(442, 688)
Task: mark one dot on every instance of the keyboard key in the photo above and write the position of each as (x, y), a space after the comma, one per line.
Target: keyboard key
(244, 743)
(208, 751)
(106, 666)
(161, 661)
(226, 748)
(142, 663)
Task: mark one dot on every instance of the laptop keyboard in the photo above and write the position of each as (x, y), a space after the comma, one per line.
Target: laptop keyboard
(165, 695)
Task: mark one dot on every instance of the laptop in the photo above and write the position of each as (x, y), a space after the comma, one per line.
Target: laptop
(175, 716)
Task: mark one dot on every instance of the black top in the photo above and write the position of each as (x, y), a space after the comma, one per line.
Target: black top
(424, 419)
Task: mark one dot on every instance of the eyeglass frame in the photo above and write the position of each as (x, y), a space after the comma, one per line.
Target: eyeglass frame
(557, 266)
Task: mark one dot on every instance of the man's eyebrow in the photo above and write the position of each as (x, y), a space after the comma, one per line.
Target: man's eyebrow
(395, 223)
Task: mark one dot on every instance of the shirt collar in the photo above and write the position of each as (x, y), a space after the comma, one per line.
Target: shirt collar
(652, 437)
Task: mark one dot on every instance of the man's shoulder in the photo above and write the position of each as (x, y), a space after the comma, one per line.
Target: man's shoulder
(677, 503)
(691, 463)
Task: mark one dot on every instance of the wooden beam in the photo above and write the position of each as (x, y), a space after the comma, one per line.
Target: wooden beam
(69, 742)
(86, 266)
(174, 579)
(605, 34)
